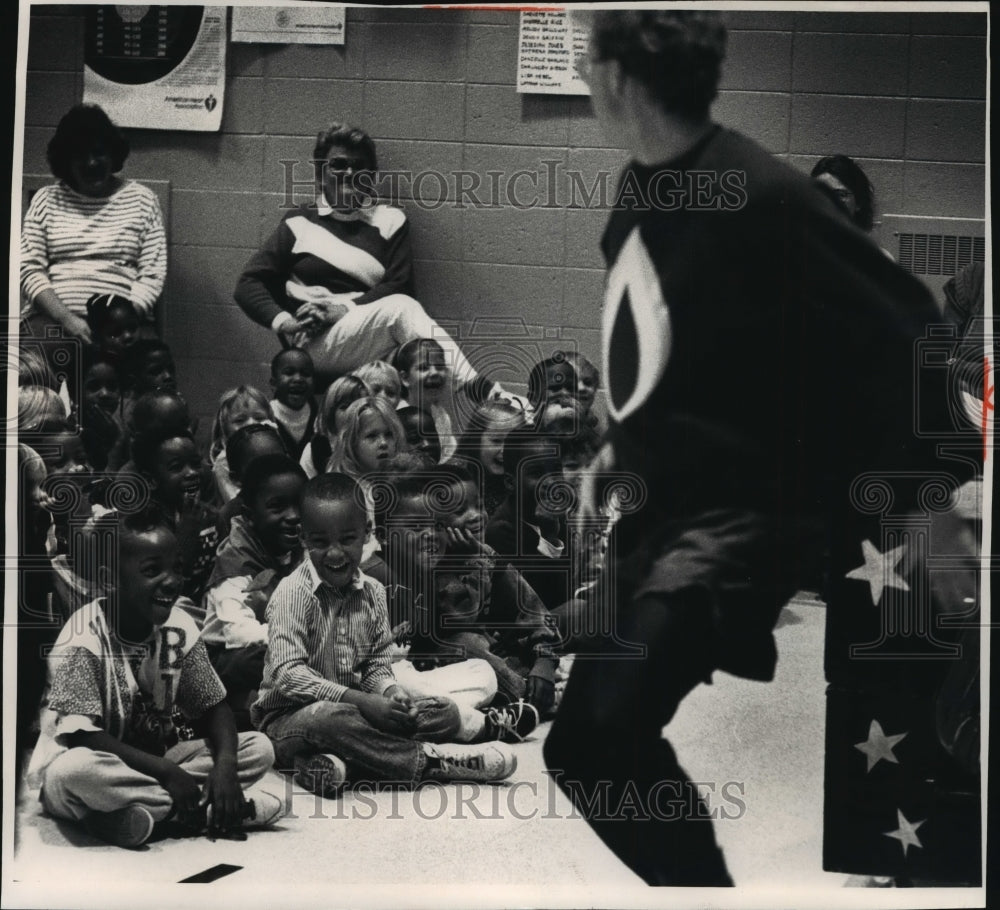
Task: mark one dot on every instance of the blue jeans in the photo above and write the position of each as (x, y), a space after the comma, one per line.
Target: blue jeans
(370, 754)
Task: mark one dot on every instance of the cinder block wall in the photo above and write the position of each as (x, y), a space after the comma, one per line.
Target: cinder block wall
(903, 93)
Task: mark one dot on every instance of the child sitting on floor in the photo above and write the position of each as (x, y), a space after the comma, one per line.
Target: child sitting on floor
(100, 407)
(369, 440)
(413, 574)
(530, 528)
(244, 446)
(113, 323)
(329, 701)
(153, 414)
(421, 434)
(293, 406)
(343, 392)
(148, 366)
(172, 466)
(126, 676)
(238, 408)
(482, 448)
(485, 605)
(427, 385)
(263, 546)
(382, 380)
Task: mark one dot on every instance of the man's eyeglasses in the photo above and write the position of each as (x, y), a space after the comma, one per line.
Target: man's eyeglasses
(340, 164)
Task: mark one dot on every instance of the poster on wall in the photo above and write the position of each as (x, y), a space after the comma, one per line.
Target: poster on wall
(548, 47)
(157, 67)
(289, 25)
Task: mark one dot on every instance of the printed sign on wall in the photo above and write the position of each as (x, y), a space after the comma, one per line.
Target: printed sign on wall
(157, 67)
(289, 24)
(549, 45)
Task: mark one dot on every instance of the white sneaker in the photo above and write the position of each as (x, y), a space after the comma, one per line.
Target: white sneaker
(268, 805)
(481, 762)
(320, 773)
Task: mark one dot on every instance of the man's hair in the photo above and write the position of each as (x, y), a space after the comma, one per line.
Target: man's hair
(676, 54)
(260, 470)
(849, 173)
(281, 355)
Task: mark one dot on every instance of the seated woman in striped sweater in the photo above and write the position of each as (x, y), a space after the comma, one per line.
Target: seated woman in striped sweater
(93, 232)
(336, 276)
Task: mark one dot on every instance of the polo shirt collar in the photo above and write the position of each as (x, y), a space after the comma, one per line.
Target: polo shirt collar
(326, 210)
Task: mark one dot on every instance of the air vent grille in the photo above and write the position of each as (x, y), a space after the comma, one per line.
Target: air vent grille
(939, 254)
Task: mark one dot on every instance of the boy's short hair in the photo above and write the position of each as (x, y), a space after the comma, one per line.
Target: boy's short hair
(146, 445)
(407, 354)
(238, 446)
(376, 370)
(146, 405)
(433, 485)
(260, 470)
(90, 554)
(676, 54)
(335, 487)
(276, 359)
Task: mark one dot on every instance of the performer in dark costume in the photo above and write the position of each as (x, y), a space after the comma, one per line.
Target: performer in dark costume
(759, 357)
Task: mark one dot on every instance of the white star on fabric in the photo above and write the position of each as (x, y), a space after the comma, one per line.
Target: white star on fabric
(906, 833)
(878, 746)
(879, 569)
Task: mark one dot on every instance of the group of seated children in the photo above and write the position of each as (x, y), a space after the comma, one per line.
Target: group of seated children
(355, 591)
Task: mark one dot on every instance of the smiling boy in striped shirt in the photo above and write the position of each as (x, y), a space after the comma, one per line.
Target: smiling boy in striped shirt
(329, 700)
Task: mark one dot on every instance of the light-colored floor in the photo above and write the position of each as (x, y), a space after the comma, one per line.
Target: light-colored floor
(761, 744)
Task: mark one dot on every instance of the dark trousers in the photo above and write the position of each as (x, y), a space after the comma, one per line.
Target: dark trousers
(607, 753)
(241, 671)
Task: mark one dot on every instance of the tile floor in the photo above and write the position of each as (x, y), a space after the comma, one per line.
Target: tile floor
(515, 844)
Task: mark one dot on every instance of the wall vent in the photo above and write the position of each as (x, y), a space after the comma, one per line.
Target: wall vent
(939, 254)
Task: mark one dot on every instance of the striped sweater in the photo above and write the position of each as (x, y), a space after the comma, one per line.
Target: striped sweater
(367, 256)
(77, 246)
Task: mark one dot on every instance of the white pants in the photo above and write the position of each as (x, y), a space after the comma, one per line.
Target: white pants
(471, 684)
(374, 330)
(82, 780)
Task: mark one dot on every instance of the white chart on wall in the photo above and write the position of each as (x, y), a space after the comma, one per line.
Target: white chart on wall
(157, 67)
